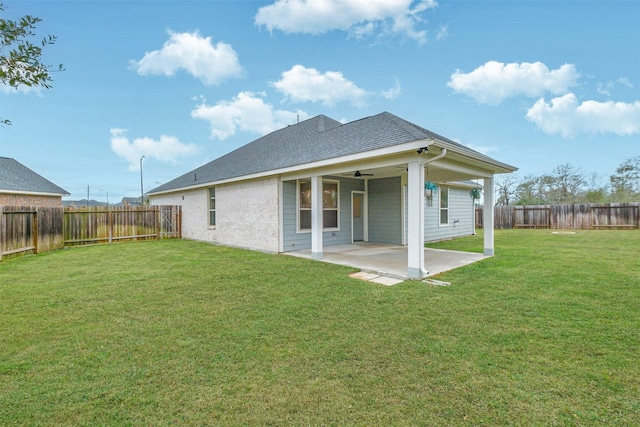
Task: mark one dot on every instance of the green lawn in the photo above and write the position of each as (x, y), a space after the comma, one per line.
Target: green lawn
(173, 332)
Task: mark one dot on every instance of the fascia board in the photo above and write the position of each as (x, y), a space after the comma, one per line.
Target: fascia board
(500, 167)
(33, 193)
(456, 167)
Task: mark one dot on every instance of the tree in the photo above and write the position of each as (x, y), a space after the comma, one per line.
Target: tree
(566, 184)
(21, 65)
(625, 183)
(533, 190)
(506, 189)
(595, 193)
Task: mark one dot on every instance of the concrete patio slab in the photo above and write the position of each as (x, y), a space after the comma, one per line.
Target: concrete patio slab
(364, 275)
(391, 260)
(387, 281)
(376, 278)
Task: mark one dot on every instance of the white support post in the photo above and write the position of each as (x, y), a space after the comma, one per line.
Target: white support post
(316, 217)
(365, 211)
(487, 216)
(415, 221)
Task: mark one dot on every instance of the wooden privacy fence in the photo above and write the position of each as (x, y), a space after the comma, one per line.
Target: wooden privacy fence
(27, 229)
(586, 216)
(101, 225)
(34, 230)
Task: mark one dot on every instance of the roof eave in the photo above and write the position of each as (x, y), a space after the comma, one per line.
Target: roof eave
(363, 156)
(34, 193)
(500, 167)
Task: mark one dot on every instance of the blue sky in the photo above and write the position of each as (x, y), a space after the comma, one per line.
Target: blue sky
(535, 84)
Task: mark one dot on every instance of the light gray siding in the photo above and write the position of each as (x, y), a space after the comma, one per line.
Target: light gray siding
(461, 208)
(291, 239)
(294, 240)
(460, 216)
(385, 210)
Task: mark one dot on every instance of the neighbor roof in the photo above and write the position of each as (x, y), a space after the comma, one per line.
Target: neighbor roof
(17, 178)
(316, 139)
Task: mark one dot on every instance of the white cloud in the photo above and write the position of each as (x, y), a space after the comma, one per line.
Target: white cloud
(393, 92)
(245, 112)
(443, 32)
(493, 82)
(194, 54)
(301, 84)
(604, 89)
(565, 116)
(167, 150)
(358, 17)
(21, 89)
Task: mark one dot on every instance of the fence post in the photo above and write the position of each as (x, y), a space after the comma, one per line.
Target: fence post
(110, 224)
(34, 230)
(157, 217)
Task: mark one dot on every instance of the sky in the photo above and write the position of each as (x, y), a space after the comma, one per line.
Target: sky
(532, 83)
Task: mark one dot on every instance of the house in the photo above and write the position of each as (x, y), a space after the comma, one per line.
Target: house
(132, 201)
(20, 186)
(82, 203)
(321, 182)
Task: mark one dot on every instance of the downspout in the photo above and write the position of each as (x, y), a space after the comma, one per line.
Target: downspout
(431, 160)
(438, 157)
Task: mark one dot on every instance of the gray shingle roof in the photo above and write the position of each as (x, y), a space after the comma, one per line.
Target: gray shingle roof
(316, 139)
(14, 176)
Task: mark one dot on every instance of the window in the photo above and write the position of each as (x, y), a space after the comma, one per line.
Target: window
(444, 205)
(304, 189)
(212, 207)
(330, 205)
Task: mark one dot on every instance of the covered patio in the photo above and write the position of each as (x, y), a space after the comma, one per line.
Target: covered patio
(391, 260)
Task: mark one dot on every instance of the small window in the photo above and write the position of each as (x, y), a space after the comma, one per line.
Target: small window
(212, 207)
(330, 205)
(444, 205)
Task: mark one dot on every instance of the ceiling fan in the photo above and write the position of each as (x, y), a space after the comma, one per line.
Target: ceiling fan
(358, 174)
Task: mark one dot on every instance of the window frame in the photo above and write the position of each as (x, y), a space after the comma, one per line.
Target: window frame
(446, 208)
(299, 208)
(212, 208)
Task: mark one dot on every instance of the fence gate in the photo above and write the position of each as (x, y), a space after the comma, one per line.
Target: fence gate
(170, 222)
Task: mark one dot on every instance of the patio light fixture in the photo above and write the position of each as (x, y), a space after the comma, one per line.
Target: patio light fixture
(422, 149)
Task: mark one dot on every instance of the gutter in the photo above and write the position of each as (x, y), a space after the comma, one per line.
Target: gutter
(438, 157)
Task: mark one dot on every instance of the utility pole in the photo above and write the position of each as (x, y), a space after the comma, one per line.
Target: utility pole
(107, 197)
(141, 186)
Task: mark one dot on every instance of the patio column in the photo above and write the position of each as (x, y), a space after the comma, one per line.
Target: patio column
(316, 217)
(415, 223)
(487, 216)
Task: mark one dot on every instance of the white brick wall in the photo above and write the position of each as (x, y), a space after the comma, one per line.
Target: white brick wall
(195, 212)
(246, 214)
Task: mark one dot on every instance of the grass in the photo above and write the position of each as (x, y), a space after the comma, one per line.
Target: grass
(185, 333)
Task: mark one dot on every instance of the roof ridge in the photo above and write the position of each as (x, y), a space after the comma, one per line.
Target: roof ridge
(415, 130)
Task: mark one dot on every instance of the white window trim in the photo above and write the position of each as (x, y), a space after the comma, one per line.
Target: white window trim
(209, 225)
(308, 230)
(440, 208)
